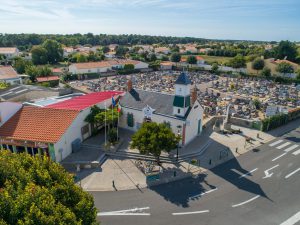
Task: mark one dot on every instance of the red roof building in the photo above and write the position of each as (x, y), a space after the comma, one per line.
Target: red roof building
(45, 79)
(86, 101)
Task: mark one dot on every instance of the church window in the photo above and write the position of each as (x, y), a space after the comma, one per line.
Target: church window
(178, 111)
(130, 121)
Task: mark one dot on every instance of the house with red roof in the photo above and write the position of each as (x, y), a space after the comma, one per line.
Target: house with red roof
(55, 130)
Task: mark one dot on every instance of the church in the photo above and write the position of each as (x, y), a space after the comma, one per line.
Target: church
(182, 111)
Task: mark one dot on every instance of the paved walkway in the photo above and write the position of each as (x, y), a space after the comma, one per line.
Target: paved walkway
(221, 148)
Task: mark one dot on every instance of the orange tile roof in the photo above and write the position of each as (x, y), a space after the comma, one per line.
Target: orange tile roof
(38, 124)
(8, 50)
(7, 72)
(108, 63)
(44, 79)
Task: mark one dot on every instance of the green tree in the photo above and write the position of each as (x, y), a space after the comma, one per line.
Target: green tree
(33, 72)
(121, 51)
(298, 74)
(192, 59)
(257, 103)
(175, 57)
(128, 67)
(36, 190)
(105, 49)
(284, 68)
(286, 49)
(238, 61)
(20, 64)
(54, 51)
(266, 72)
(152, 58)
(39, 55)
(80, 58)
(109, 116)
(153, 138)
(214, 68)
(258, 64)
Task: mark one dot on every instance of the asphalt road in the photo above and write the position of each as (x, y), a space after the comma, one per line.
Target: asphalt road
(261, 187)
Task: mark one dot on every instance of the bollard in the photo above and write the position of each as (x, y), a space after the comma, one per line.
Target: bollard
(175, 173)
(237, 149)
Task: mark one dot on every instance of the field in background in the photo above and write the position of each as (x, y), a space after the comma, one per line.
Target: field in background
(218, 59)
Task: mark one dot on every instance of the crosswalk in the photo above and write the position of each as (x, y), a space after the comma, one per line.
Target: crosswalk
(286, 146)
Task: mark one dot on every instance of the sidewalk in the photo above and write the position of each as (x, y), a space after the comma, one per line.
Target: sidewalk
(220, 149)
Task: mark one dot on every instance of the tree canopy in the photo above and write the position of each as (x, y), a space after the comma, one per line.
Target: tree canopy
(36, 190)
(258, 64)
(286, 49)
(266, 72)
(175, 57)
(238, 62)
(284, 67)
(153, 138)
(192, 59)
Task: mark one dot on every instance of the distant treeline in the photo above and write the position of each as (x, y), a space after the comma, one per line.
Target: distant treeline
(25, 41)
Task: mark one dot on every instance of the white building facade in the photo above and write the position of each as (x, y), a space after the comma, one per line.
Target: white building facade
(181, 112)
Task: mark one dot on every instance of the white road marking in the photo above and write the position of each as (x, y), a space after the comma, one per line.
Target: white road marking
(267, 174)
(278, 157)
(203, 193)
(127, 212)
(246, 174)
(291, 148)
(189, 213)
(17, 92)
(292, 220)
(14, 88)
(8, 93)
(275, 143)
(283, 145)
(296, 152)
(245, 202)
(292, 173)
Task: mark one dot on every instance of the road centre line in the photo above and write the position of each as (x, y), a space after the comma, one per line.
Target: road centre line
(246, 174)
(283, 145)
(279, 156)
(292, 220)
(127, 212)
(245, 202)
(292, 173)
(275, 143)
(189, 213)
(203, 193)
(291, 148)
(296, 152)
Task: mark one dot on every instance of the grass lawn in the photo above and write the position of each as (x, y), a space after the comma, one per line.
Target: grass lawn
(268, 64)
(218, 59)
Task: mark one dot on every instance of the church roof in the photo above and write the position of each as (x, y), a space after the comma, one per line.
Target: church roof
(183, 79)
(139, 99)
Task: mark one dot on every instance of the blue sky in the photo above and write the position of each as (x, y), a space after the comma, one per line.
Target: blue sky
(218, 19)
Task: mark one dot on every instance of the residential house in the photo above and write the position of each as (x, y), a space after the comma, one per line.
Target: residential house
(9, 75)
(10, 52)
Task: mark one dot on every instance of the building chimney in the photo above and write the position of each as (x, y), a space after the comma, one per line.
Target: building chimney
(129, 85)
(194, 95)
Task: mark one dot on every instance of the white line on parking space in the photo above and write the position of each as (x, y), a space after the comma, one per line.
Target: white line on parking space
(292, 173)
(8, 93)
(245, 202)
(296, 152)
(275, 143)
(189, 213)
(18, 92)
(292, 220)
(278, 157)
(127, 212)
(283, 145)
(246, 174)
(203, 193)
(291, 148)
